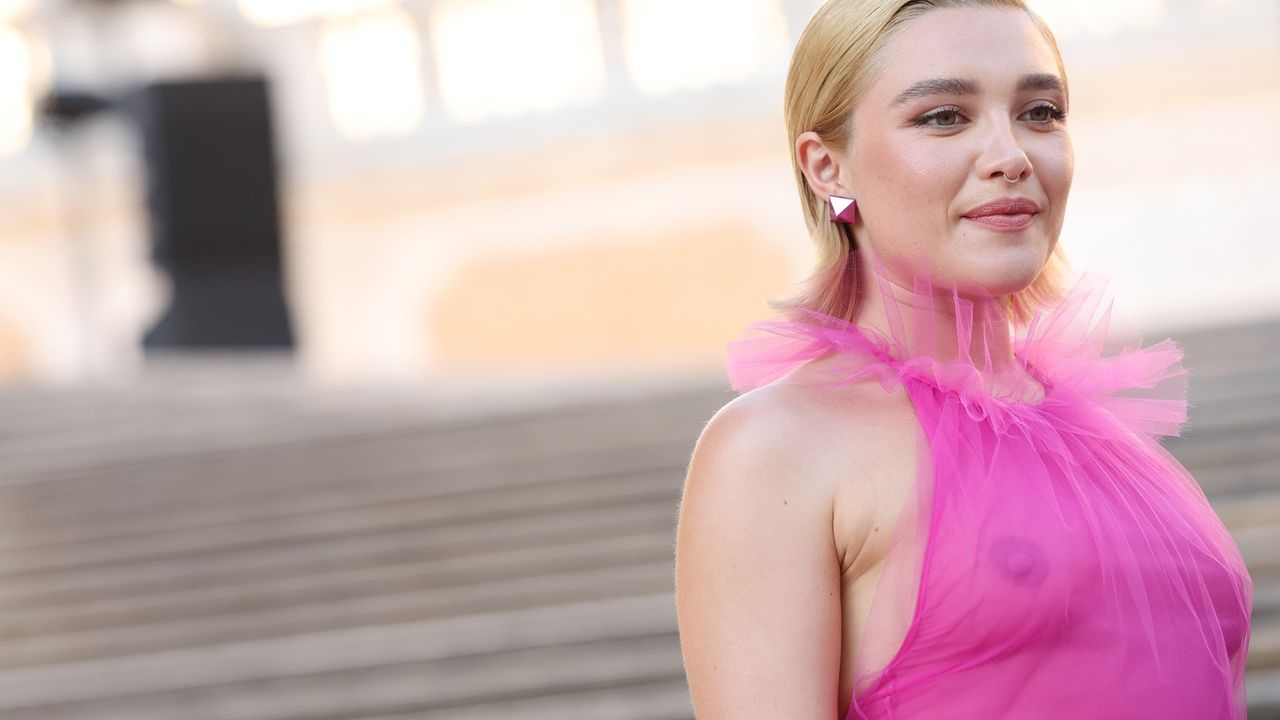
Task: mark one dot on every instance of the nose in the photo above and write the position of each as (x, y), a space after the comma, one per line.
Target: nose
(1003, 157)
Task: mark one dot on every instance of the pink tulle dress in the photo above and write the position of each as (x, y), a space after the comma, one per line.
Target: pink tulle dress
(1052, 560)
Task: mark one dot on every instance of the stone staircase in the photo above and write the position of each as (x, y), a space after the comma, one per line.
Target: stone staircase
(219, 540)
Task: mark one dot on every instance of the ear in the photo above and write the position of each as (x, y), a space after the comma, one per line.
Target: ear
(821, 167)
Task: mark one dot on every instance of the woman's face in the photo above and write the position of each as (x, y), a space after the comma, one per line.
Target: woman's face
(918, 161)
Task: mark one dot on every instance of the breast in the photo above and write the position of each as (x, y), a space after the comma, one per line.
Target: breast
(1094, 569)
(881, 462)
(1013, 573)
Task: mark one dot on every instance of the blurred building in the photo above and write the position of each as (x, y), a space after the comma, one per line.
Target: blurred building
(572, 186)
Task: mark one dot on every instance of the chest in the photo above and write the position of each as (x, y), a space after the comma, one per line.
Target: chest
(1104, 551)
(1101, 547)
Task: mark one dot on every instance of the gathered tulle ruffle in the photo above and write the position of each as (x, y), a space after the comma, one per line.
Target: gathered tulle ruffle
(1051, 559)
(1145, 387)
(1075, 355)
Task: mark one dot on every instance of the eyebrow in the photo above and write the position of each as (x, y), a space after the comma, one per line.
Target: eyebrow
(961, 86)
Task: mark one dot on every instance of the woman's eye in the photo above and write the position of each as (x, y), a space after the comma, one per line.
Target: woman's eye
(1049, 114)
(1054, 114)
(924, 120)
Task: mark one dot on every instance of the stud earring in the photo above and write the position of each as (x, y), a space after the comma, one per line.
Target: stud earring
(842, 209)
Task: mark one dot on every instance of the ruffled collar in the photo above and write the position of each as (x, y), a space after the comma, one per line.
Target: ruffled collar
(1074, 357)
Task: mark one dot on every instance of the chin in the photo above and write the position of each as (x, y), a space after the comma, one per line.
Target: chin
(1000, 278)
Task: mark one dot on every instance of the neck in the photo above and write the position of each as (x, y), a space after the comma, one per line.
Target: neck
(934, 319)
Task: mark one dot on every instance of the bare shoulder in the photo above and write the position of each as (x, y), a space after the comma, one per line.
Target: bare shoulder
(758, 558)
(835, 436)
(778, 438)
(794, 424)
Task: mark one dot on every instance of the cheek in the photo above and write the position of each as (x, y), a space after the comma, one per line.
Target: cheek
(916, 175)
(926, 163)
(1056, 167)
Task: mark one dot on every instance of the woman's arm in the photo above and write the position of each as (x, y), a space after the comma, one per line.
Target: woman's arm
(757, 572)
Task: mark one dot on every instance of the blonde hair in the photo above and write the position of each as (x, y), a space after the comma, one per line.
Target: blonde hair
(834, 62)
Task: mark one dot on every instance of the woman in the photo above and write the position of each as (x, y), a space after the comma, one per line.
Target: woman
(942, 493)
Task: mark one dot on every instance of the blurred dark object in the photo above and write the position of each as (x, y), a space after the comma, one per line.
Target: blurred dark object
(63, 108)
(212, 195)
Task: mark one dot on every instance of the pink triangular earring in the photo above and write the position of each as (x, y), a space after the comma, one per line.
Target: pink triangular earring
(842, 209)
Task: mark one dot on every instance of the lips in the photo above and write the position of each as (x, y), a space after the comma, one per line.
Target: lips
(1004, 206)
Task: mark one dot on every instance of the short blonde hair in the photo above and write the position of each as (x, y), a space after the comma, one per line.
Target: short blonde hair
(833, 64)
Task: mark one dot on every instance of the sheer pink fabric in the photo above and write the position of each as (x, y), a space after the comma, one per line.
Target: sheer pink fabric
(1052, 559)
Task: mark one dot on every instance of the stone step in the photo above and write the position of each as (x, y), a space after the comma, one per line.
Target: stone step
(70, 461)
(243, 567)
(442, 666)
(568, 580)
(490, 504)
(1262, 688)
(455, 573)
